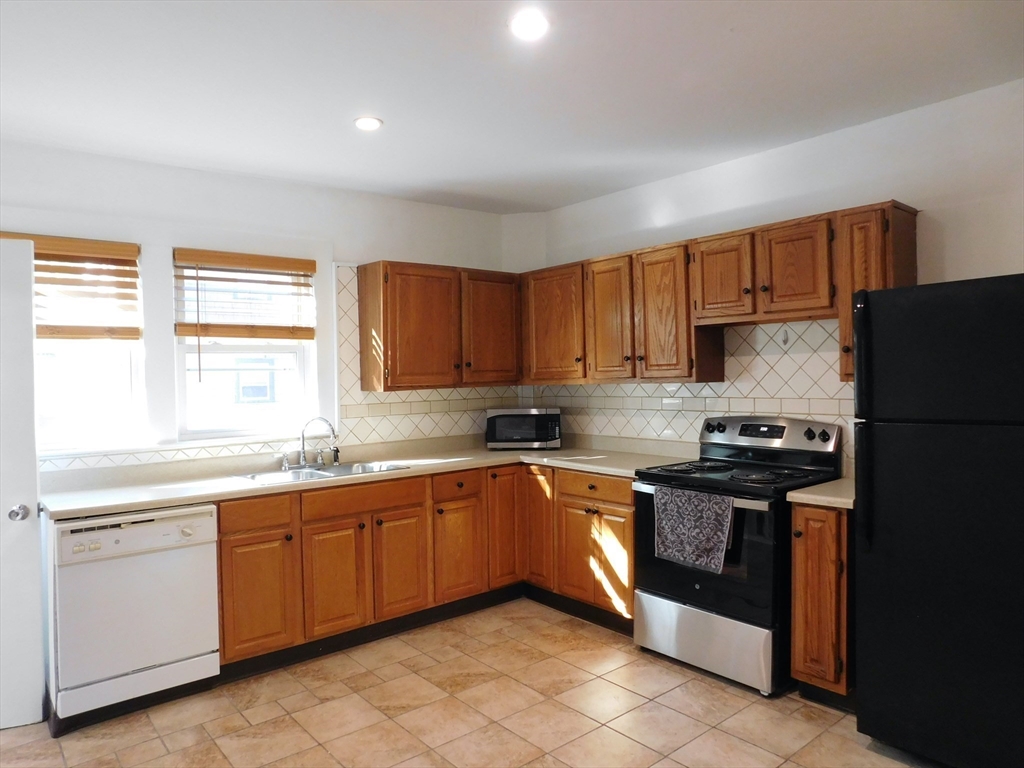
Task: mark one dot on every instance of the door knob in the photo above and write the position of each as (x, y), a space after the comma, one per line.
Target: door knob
(19, 512)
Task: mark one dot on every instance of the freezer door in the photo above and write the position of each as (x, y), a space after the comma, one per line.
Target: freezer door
(945, 352)
(938, 590)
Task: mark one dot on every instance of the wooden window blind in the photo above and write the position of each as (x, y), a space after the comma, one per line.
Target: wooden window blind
(85, 289)
(243, 296)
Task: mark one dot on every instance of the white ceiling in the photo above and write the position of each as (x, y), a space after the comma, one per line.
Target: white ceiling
(618, 94)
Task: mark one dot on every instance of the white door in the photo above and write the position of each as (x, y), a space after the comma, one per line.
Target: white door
(21, 571)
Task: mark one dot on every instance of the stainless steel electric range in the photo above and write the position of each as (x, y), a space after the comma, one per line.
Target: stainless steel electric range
(734, 623)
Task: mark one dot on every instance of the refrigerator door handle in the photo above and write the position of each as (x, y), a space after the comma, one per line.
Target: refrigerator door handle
(861, 356)
(863, 513)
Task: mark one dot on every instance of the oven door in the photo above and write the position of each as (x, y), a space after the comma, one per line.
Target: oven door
(750, 586)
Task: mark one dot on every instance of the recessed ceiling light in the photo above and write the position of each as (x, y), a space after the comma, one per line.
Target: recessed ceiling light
(529, 24)
(368, 123)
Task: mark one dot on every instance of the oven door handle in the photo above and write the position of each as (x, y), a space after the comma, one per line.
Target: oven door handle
(738, 503)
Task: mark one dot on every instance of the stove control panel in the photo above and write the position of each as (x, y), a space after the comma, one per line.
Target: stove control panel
(771, 432)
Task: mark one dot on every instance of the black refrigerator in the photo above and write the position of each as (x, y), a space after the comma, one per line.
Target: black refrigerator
(939, 519)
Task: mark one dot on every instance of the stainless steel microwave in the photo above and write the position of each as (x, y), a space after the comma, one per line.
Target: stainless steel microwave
(524, 428)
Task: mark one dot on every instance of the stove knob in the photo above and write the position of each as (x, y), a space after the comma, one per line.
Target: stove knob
(824, 436)
(809, 433)
(720, 427)
(709, 427)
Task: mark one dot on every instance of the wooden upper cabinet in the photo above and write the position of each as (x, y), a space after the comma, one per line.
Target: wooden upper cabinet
(660, 302)
(794, 266)
(337, 576)
(876, 248)
(539, 503)
(608, 303)
(506, 525)
(819, 639)
(553, 335)
(401, 561)
(409, 326)
(490, 328)
(261, 578)
(723, 276)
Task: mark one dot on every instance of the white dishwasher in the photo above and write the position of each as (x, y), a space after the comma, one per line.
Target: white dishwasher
(134, 605)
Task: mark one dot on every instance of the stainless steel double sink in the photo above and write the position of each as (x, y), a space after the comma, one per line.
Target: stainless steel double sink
(320, 473)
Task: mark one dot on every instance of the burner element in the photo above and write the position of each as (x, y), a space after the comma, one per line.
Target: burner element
(709, 466)
(754, 477)
(789, 472)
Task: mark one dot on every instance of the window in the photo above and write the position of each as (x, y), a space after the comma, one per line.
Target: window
(88, 351)
(245, 326)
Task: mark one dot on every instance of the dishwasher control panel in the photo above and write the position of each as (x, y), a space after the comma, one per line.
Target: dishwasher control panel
(119, 535)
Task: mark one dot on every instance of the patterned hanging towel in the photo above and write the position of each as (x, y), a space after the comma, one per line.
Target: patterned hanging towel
(692, 528)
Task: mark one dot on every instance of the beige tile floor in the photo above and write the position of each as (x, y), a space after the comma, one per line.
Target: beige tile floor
(517, 684)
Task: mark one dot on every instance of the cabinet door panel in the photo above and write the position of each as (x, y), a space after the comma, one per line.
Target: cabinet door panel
(816, 593)
(401, 546)
(660, 299)
(553, 324)
(540, 526)
(576, 563)
(336, 576)
(723, 276)
(460, 549)
(609, 318)
(423, 326)
(794, 268)
(490, 328)
(506, 525)
(860, 265)
(614, 547)
(261, 585)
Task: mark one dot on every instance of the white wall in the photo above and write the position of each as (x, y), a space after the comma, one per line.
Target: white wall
(960, 162)
(523, 242)
(58, 192)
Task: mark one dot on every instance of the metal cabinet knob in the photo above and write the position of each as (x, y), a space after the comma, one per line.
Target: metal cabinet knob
(459, 484)
(639, 358)
(746, 290)
(379, 521)
(494, 475)
(457, 366)
(19, 512)
(847, 349)
(626, 359)
(764, 289)
(288, 537)
(797, 534)
(440, 511)
(591, 487)
(362, 526)
(469, 364)
(579, 359)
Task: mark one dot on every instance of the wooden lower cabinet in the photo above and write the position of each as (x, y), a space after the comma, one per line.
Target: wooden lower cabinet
(594, 561)
(260, 577)
(460, 548)
(575, 535)
(819, 629)
(337, 576)
(506, 525)
(539, 513)
(401, 561)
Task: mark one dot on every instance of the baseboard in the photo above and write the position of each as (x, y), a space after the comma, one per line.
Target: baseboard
(579, 609)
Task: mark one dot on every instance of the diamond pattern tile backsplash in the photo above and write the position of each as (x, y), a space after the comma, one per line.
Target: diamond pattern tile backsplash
(786, 369)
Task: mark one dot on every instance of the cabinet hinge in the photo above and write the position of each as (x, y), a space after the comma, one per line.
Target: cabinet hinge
(687, 258)
(385, 277)
(839, 665)
(833, 291)
(842, 567)
(831, 234)
(691, 363)
(386, 373)
(694, 303)
(885, 224)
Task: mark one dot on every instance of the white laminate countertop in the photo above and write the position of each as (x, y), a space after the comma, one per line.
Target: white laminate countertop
(118, 500)
(837, 493)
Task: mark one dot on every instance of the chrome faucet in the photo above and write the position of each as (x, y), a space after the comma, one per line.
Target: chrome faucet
(302, 438)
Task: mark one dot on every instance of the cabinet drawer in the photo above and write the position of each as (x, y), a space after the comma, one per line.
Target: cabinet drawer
(365, 497)
(458, 485)
(588, 486)
(253, 514)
